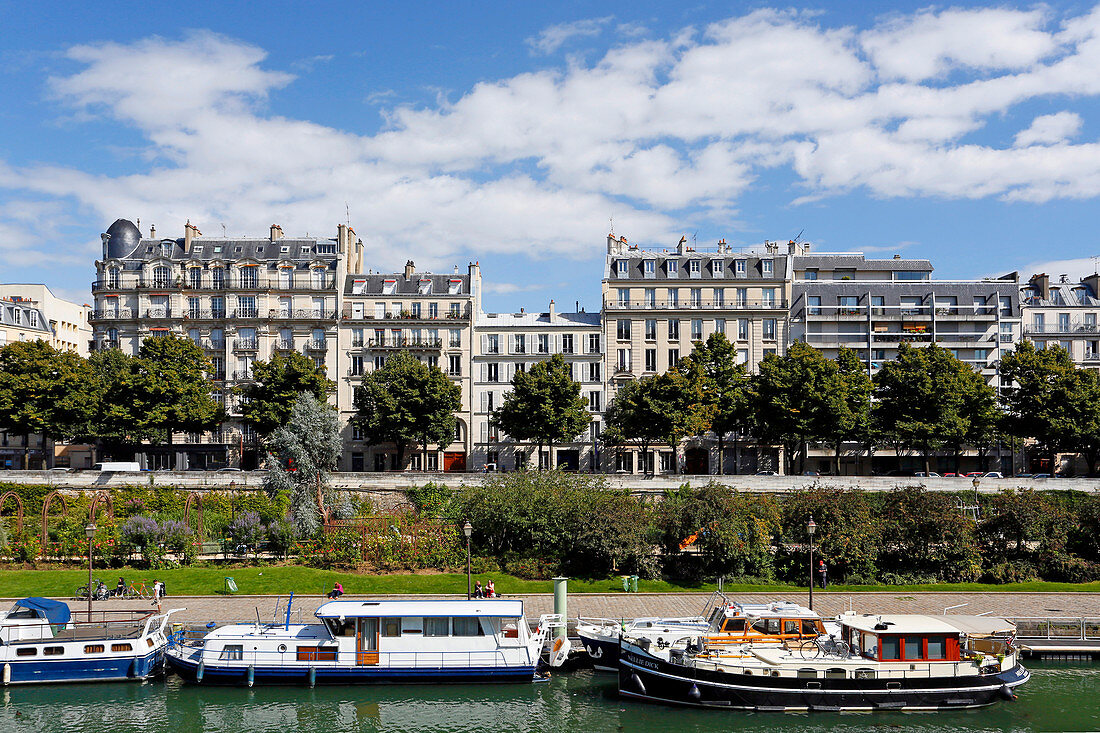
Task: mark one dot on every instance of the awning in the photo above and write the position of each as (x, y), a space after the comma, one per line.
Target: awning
(55, 612)
(980, 625)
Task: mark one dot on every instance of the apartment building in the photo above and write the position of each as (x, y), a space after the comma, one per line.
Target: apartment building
(1064, 313)
(426, 314)
(507, 343)
(66, 321)
(240, 299)
(872, 306)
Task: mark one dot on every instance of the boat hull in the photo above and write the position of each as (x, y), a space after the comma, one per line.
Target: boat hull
(215, 674)
(86, 670)
(648, 678)
(602, 650)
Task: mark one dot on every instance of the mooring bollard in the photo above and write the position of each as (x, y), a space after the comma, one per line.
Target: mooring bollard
(561, 599)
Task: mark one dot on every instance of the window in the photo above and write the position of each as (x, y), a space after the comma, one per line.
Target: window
(492, 372)
(844, 273)
(624, 362)
(567, 343)
(673, 357)
(622, 329)
(769, 328)
(414, 310)
(719, 298)
(112, 277)
(742, 356)
(1005, 305)
(649, 268)
(913, 647)
(878, 305)
(769, 297)
(492, 344)
(810, 275)
(911, 305)
(694, 269)
(456, 338)
(389, 287)
(849, 305)
(651, 360)
(466, 626)
(319, 654)
(937, 647)
(696, 297)
(1063, 322)
(673, 298)
(651, 329)
(593, 343)
(356, 336)
(716, 268)
(743, 329)
(218, 278)
(425, 287)
(194, 277)
(122, 647)
(235, 652)
(246, 306)
(436, 626)
(650, 298)
(356, 365)
(910, 275)
(193, 308)
(594, 401)
(890, 647)
(697, 330)
(544, 343)
(95, 648)
(674, 330)
(455, 310)
(672, 267)
(519, 343)
(720, 326)
(391, 627)
(455, 365)
(248, 277)
(453, 286)
(56, 651)
(433, 310)
(621, 267)
(766, 268)
(739, 268)
(594, 371)
(813, 303)
(742, 297)
(27, 651)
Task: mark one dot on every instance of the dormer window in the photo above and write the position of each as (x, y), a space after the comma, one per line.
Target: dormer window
(425, 286)
(306, 250)
(694, 268)
(739, 269)
(389, 287)
(284, 249)
(621, 267)
(672, 267)
(453, 286)
(716, 268)
(196, 250)
(166, 249)
(357, 287)
(649, 268)
(766, 268)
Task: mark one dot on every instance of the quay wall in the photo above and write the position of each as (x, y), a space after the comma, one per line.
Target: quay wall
(382, 484)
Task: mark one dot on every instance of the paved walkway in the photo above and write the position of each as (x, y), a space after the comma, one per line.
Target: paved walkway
(202, 609)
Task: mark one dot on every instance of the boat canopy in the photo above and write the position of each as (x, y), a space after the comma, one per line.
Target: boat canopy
(978, 626)
(55, 612)
(489, 607)
(900, 623)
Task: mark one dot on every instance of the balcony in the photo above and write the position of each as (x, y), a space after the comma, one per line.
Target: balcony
(282, 345)
(245, 376)
(621, 305)
(302, 314)
(405, 343)
(1073, 327)
(350, 315)
(218, 376)
(205, 315)
(245, 313)
(316, 345)
(112, 315)
(245, 344)
(159, 312)
(213, 344)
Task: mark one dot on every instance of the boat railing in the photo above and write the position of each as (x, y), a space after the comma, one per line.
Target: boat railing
(1058, 627)
(334, 658)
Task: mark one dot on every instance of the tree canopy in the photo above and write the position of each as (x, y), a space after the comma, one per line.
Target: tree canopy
(405, 402)
(723, 389)
(652, 410)
(544, 405)
(170, 390)
(269, 398)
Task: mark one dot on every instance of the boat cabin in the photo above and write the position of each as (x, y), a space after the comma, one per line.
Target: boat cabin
(779, 622)
(34, 619)
(919, 638)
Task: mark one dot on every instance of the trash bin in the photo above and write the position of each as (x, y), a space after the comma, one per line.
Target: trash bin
(634, 583)
(230, 586)
(626, 583)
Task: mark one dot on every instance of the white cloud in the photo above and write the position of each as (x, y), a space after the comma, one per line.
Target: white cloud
(660, 133)
(1049, 129)
(510, 288)
(1073, 269)
(552, 38)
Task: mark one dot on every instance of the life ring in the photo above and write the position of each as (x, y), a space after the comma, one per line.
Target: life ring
(558, 644)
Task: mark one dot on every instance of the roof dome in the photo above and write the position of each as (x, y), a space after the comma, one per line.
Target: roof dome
(123, 239)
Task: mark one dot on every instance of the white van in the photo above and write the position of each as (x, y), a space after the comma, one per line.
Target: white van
(117, 466)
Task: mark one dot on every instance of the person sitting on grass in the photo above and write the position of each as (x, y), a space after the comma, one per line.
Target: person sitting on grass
(337, 591)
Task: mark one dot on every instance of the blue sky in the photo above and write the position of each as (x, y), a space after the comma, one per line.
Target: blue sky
(513, 133)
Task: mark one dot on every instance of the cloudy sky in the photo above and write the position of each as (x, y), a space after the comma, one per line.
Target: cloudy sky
(466, 131)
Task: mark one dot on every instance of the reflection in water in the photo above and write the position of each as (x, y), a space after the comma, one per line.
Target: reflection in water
(1058, 698)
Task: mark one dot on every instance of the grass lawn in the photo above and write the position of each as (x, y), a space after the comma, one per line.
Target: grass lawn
(309, 581)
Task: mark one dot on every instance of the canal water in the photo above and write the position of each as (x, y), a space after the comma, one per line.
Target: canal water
(1059, 697)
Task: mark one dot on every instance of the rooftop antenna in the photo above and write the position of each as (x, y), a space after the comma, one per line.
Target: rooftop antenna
(798, 237)
(693, 238)
(612, 221)
(1095, 270)
(224, 235)
(347, 213)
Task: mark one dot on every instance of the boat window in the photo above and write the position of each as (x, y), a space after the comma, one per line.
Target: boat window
(511, 630)
(734, 624)
(121, 648)
(891, 647)
(233, 652)
(809, 627)
(766, 626)
(436, 626)
(391, 627)
(149, 642)
(864, 673)
(27, 651)
(93, 648)
(790, 626)
(54, 650)
(937, 647)
(807, 673)
(316, 654)
(913, 647)
(466, 626)
(835, 673)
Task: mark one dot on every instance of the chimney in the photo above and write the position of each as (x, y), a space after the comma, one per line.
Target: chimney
(552, 313)
(153, 231)
(681, 244)
(410, 268)
(1093, 284)
(190, 231)
(276, 232)
(1041, 282)
(359, 257)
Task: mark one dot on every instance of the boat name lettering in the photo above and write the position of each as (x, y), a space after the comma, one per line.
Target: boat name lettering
(649, 664)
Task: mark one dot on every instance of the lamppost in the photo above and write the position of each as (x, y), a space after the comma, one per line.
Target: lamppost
(468, 529)
(89, 532)
(810, 529)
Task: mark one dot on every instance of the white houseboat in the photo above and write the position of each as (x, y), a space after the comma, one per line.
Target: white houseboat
(370, 642)
(41, 641)
(901, 662)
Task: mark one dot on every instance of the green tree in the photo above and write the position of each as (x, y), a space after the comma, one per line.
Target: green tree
(852, 424)
(651, 411)
(723, 389)
(407, 401)
(44, 391)
(544, 406)
(270, 397)
(170, 390)
(928, 400)
(302, 454)
(800, 395)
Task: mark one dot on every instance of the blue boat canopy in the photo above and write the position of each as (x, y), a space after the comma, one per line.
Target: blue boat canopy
(55, 612)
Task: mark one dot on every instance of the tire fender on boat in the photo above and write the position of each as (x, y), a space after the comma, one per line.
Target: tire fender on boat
(7, 674)
(1007, 693)
(251, 674)
(201, 670)
(637, 682)
(694, 693)
(312, 676)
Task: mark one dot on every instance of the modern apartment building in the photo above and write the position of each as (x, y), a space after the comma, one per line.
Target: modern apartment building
(506, 343)
(428, 315)
(240, 299)
(66, 321)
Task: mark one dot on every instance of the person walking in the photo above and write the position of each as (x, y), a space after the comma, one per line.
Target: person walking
(823, 571)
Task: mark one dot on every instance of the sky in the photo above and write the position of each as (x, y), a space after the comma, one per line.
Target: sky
(518, 134)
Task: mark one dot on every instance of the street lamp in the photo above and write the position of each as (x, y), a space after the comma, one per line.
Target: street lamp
(810, 529)
(468, 529)
(89, 532)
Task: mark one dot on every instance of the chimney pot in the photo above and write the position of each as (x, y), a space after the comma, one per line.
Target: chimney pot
(410, 268)
(152, 231)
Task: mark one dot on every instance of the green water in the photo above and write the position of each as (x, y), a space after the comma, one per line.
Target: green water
(1059, 697)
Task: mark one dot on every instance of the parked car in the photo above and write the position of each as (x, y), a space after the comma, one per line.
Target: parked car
(992, 474)
(930, 474)
(1041, 475)
(766, 473)
(954, 475)
(1024, 475)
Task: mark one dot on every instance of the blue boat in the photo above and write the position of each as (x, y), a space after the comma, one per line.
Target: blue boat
(42, 642)
(375, 642)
